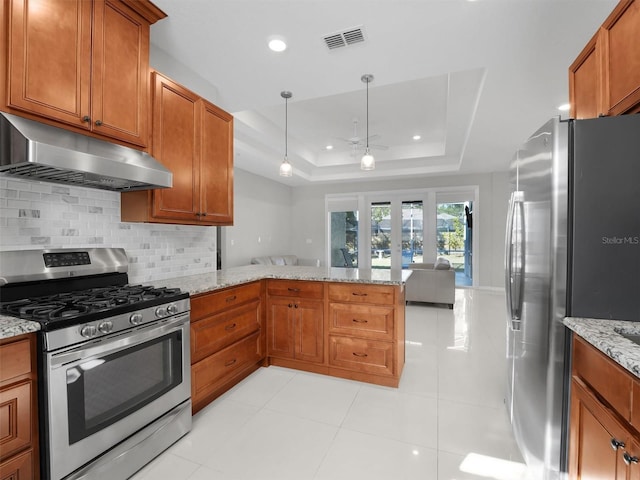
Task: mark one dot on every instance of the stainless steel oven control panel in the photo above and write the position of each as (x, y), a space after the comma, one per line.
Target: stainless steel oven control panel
(65, 337)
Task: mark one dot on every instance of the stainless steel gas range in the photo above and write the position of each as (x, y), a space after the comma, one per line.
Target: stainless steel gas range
(113, 362)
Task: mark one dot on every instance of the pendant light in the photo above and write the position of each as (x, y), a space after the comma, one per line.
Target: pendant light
(367, 162)
(285, 167)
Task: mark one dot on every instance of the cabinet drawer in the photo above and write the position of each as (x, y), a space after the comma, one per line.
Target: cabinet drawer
(214, 302)
(218, 331)
(15, 359)
(360, 293)
(19, 467)
(207, 374)
(368, 356)
(295, 288)
(15, 419)
(611, 382)
(361, 320)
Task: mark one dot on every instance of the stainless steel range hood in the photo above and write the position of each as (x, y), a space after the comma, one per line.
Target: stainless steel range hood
(37, 151)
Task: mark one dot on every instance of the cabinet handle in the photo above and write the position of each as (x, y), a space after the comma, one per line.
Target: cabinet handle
(98, 123)
(355, 294)
(616, 444)
(290, 305)
(230, 299)
(230, 362)
(628, 459)
(228, 328)
(198, 214)
(360, 321)
(295, 306)
(86, 119)
(293, 289)
(361, 355)
(203, 214)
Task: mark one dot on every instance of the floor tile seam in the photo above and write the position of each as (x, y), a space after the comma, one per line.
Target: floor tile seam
(301, 417)
(392, 439)
(326, 453)
(351, 404)
(215, 470)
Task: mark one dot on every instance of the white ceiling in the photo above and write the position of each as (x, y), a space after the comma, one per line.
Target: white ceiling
(473, 78)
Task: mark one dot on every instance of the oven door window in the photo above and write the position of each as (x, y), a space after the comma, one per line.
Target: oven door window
(103, 390)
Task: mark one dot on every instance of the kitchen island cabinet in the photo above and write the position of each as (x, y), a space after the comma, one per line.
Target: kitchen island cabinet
(295, 320)
(227, 340)
(603, 428)
(18, 408)
(605, 77)
(194, 139)
(82, 65)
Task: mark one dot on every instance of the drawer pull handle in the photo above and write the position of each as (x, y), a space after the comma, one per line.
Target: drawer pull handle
(231, 298)
(228, 328)
(230, 362)
(360, 321)
(361, 355)
(616, 444)
(628, 459)
(356, 294)
(293, 289)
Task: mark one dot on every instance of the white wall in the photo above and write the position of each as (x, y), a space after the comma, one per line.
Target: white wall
(262, 220)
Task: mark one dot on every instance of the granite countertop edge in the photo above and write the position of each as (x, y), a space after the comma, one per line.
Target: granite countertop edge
(208, 282)
(606, 336)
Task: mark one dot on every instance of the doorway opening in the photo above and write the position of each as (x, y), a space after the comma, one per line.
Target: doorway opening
(454, 238)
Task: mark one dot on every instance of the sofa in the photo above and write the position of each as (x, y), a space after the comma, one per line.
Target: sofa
(432, 283)
(284, 260)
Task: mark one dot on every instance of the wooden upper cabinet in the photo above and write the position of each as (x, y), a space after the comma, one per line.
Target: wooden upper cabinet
(216, 165)
(620, 37)
(605, 78)
(175, 136)
(82, 63)
(194, 139)
(585, 94)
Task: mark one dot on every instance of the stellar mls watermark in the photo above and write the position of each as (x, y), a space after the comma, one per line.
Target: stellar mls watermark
(615, 240)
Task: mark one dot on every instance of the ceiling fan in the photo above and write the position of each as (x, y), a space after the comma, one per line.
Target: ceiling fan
(357, 142)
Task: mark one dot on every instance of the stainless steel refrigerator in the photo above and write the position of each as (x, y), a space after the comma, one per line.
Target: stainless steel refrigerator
(572, 249)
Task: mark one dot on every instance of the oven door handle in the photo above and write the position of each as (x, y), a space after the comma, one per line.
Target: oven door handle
(106, 345)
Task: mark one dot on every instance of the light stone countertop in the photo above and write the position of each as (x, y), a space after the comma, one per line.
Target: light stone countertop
(606, 336)
(206, 282)
(12, 327)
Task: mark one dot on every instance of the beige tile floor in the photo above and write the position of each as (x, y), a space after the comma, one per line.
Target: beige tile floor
(446, 421)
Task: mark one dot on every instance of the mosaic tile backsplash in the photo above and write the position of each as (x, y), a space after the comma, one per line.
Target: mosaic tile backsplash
(47, 215)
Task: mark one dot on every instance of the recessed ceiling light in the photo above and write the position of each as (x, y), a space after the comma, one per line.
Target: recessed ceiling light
(277, 45)
(565, 107)
(329, 147)
(417, 137)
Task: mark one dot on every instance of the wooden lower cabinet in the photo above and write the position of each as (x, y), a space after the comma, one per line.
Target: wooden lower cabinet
(295, 319)
(18, 409)
(602, 442)
(227, 340)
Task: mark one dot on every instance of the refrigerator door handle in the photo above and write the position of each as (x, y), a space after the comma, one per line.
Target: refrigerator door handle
(514, 271)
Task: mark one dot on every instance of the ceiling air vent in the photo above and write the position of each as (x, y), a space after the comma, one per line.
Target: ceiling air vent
(344, 38)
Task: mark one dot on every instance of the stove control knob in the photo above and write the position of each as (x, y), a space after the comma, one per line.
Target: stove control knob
(135, 319)
(172, 309)
(106, 326)
(161, 312)
(88, 331)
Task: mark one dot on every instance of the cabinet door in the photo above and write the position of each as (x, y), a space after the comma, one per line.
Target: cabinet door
(216, 165)
(308, 328)
(120, 72)
(585, 83)
(50, 58)
(280, 322)
(622, 52)
(15, 419)
(19, 467)
(597, 440)
(174, 141)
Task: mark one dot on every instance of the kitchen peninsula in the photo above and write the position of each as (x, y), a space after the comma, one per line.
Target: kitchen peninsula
(344, 322)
